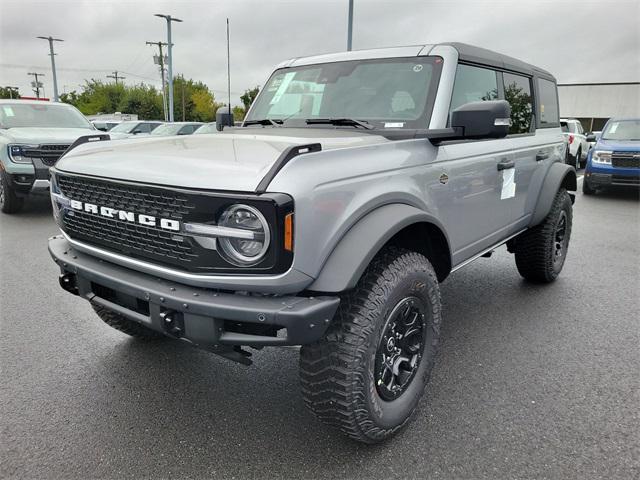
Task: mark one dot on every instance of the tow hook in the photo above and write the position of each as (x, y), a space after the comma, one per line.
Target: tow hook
(68, 282)
(172, 322)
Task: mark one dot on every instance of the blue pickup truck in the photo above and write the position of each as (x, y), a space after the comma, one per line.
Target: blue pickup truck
(614, 161)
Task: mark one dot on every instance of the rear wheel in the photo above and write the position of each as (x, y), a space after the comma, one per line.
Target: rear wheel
(576, 160)
(131, 328)
(542, 250)
(9, 201)
(368, 373)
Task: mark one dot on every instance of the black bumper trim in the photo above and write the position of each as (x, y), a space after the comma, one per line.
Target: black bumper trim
(206, 314)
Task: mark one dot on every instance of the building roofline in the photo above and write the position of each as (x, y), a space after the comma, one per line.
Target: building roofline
(596, 84)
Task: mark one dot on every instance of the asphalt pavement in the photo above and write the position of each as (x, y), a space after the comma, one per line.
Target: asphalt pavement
(531, 382)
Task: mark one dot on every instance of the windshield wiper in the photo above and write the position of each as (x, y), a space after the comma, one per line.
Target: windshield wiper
(348, 122)
(264, 121)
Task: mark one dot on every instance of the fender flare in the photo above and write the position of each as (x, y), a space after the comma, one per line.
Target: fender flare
(355, 250)
(559, 174)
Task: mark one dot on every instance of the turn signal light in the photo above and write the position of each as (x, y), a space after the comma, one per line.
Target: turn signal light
(288, 232)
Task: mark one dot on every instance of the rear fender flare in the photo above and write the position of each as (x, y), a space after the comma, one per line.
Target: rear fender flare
(560, 175)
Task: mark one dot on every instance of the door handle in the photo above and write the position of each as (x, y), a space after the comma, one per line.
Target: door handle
(506, 164)
(541, 156)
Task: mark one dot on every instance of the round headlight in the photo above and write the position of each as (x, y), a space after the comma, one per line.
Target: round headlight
(250, 240)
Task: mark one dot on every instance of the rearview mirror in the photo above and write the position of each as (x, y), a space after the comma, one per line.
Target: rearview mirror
(224, 118)
(477, 120)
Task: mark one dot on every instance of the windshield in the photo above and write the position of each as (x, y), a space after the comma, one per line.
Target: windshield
(124, 127)
(386, 93)
(47, 115)
(622, 130)
(206, 128)
(168, 129)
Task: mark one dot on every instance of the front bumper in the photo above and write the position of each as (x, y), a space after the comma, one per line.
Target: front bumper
(213, 320)
(612, 176)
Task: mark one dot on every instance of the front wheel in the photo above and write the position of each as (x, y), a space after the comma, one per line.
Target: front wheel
(9, 201)
(542, 250)
(367, 374)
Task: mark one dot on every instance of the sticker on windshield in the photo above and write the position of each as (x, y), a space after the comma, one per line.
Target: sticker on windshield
(8, 111)
(393, 124)
(283, 87)
(418, 68)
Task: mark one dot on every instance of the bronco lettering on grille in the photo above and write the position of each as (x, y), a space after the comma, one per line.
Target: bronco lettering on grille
(146, 220)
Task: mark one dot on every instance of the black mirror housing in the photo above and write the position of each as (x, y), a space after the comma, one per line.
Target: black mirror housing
(477, 120)
(224, 118)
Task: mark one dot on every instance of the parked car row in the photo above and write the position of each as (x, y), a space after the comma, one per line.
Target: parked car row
(119, 129)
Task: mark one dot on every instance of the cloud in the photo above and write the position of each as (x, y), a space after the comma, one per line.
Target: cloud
(578, 41)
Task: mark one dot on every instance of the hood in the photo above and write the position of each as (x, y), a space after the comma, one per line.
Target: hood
(37, 135)
(618, 145)
(234, 160)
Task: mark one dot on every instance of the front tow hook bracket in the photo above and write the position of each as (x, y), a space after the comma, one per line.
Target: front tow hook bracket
(173, 322)
(68, 282)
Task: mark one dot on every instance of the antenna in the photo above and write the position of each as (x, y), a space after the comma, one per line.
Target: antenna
(228, 68)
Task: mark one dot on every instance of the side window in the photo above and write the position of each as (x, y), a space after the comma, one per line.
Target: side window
(548, 103)
(142, 128)
(473, 84)
(153, 126)
(517, 91)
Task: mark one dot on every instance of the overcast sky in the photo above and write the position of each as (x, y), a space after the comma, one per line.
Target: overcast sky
(578, 41)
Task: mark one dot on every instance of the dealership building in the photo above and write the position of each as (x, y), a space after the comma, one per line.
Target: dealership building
(595, 103)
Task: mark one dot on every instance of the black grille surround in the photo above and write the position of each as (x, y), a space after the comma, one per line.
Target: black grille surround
(625, 159)
(47, 153)
(174, 250)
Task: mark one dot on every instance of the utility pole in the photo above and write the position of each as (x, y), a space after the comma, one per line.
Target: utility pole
(160, 61)
(36, 84)
(50, 39)
(350, 26)
(116, 76)
(11, 89)
(169, 19)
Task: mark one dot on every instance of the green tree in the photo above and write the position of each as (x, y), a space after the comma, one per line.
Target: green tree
(199, 102)
(521, 111)
(143, 100)
(6, 92)
(238, 113)
(249, 96)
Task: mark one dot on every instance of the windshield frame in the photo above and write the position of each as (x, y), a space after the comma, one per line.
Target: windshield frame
(611, 122)
(51, 105)
(421, 122)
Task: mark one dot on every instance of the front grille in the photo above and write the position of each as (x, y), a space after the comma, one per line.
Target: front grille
(624, 180)
(625, 159)
(132, 239)
(48, 153)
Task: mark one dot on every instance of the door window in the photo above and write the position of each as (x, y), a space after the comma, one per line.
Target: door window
(548, 101)
(473, 84)
(517, 91)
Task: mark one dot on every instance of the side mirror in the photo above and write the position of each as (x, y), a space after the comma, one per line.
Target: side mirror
(477, 120)
(223, 118)
(591, 138)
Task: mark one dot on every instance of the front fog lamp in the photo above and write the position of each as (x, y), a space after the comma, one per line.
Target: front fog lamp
(601, 156)
(249, 241)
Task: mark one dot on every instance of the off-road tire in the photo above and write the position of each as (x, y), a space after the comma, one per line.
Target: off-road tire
(535, 249)
(586, 188)
(131, 328)
(9, 201)
(337, 372)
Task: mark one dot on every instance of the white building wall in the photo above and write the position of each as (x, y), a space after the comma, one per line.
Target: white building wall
(599, 100)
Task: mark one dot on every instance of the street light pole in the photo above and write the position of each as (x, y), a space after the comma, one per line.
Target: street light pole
(169, 19)
(350, 26)
(50, 39)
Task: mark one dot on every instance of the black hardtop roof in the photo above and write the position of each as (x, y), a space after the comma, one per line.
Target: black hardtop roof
(472, 54)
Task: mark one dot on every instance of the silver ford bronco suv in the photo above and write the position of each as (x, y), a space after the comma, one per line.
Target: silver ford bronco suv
(357, 183)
